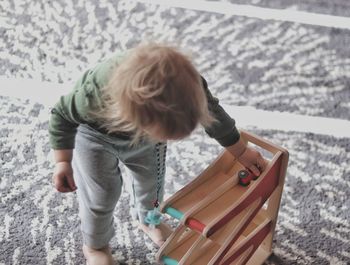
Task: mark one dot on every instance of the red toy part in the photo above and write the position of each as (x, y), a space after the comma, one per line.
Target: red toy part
(245, 177)
(195, 225)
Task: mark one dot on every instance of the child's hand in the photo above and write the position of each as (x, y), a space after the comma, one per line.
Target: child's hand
(63, 177)
(253, 160)
(248, 157)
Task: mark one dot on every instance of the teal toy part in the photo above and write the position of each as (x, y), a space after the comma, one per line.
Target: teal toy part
(174, 213)
(169, 261)
(153, 218)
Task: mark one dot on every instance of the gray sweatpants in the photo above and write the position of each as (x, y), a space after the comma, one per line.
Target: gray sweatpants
(99, 180)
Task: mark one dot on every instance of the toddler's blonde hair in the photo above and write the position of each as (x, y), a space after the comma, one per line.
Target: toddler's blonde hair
(156, 88)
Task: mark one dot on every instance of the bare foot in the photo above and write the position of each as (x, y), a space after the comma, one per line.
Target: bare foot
(158, 234)
(102, 256)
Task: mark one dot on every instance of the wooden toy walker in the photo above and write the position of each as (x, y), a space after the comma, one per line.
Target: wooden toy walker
(227, 216)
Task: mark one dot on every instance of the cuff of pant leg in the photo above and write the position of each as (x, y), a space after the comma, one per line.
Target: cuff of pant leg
(139, 214)
(98, 240)
(134, 214)
(142, 215)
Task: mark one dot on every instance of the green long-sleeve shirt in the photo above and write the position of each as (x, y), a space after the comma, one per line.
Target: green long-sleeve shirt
(73, 109)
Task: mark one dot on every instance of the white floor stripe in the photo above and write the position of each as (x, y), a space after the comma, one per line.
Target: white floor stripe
(283, 121)
(257, 12)
(48, 93)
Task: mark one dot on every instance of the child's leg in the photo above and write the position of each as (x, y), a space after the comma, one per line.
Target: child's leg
(147, 165)
(101, 256)
(99, 183)
(157, 234)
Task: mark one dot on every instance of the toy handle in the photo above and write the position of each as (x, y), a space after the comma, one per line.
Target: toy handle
(265, 144)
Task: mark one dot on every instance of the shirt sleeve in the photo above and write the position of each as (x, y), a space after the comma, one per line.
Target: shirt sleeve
(73, 109)
(70, 111)
(223, 129)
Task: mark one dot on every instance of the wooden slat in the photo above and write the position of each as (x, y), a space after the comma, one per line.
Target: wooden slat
(222, 164)
(236, 229)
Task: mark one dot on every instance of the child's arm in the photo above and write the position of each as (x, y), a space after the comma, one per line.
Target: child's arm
(63, 174)
(74, 108)
(70, 111)
(247, 156)
(225, 132)
(223, 129)
(64, 155)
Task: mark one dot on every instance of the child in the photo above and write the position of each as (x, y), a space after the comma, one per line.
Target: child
(125, 109)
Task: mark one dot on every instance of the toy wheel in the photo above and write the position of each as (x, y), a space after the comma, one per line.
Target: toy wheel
(244, 179)
(244, 184)
(242, 174)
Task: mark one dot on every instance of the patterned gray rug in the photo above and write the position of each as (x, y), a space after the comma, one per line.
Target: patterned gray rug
(266, 64)
(41, 226)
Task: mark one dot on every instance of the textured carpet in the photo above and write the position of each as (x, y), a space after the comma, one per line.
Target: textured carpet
(266, 64)
(335, 7)
(41, 226)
